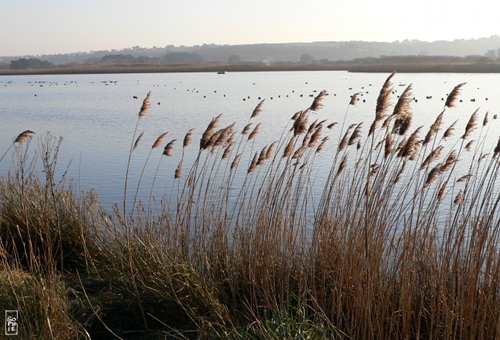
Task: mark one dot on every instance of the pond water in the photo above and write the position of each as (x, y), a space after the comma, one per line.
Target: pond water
(96, 114)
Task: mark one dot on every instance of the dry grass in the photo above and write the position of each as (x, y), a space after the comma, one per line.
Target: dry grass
(397, 245)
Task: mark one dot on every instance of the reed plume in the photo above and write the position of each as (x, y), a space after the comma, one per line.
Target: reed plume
(464, 178)
(235, 162)
(411, 147)
(159, 140)
(138, 140)
(486, 118)
(317, 103)
(187, 138)
(449, 131)
(432, 156)
(246, 129)
(178, 171)
(383, 100)
(169, 148)
(146, 104)
(468, 146)
(354, 98)
(402, 112)
(356, 135)
(257, 110)
(253, 163)
(331, 125)
(342, 165)
(471, 125)
(433, 130)
(453, 96)
(254, 132)
(23, 136)
(459, 199)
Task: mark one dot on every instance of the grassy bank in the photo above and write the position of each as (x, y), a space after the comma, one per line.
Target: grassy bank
(400, 244)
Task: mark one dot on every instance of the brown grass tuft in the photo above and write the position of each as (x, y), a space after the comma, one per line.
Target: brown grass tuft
(258, 109)
(146, 104)
(159, 140)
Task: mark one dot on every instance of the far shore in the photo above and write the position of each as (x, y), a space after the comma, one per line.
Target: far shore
(481, 67)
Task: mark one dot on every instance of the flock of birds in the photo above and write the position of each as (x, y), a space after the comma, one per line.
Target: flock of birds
(75, 83)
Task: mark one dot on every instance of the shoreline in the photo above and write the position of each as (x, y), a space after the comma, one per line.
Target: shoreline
(286, 67)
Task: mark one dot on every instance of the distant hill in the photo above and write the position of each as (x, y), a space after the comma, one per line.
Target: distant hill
(286, 52)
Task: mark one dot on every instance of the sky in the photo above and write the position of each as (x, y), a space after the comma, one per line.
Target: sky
(35, 27)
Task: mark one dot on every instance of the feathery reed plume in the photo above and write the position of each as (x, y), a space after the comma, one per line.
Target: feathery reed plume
(449, 131)
(468, 146)
(471, 125)
(19, 139)
(342, 165)
(289, 148)
(448, 163)
(178, 170)
(354, 98)
(258, 109)
(262, 156)
(246, 129)
(315, 137)
(433, 130)
(379, 144)
(402, 112)
(227, 151)
(159, 140)
(411, 147)
(296, 115)
(270, 150)
(459, 199)
(464, 178)
(300, 124)
(442, 191)
(253, 164)
(321, 145)
(187, 138)
(356, 135)
(317, 103)
(169, 148)
(383, 100)
(400, 172)
(146, 104)
(345, 139)
(254, 132)
(207, 134)
(388, 145)
(453, 96)
(235, 162)
(497, 148)
(299, 152)
(486, 118)
(433, 175)
(312, 126)
(224, 136)
(432, 156)
(23, 136)
(138, 140)
(402, 107)
(331, 125)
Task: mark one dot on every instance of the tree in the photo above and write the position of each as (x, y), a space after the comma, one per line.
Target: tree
(306, 58)
(24, 63)
(233, 59)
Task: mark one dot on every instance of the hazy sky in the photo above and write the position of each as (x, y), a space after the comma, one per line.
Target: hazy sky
(59, 26)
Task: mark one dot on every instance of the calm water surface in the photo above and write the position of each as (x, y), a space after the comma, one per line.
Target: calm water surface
(96, 114)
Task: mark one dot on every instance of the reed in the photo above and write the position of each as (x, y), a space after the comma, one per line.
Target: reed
(394, 243)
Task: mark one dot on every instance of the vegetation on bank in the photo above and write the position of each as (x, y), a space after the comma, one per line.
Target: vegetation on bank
(184, 62)
(400, 244)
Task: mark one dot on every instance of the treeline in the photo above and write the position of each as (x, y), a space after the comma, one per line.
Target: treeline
(27, 63)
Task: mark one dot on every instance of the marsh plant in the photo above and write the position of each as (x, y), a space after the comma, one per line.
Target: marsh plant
(399, 242)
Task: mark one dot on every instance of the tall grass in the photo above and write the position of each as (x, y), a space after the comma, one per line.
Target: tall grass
(398, 244)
